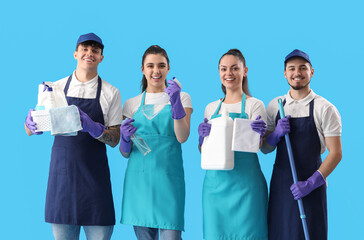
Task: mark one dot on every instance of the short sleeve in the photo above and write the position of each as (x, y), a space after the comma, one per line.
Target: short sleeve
(257, 108)
(186, 100)
(331, 122)
(127, 109)
(210, 109)
(272, 110)
(115, 114)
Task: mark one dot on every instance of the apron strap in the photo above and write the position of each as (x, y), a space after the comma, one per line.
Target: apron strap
(99, 84)
(242, 114)
(311, 108)
(218, 107)
(67, 85)
(143, 99)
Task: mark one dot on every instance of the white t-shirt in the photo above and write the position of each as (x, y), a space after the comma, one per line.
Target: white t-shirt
(253, 108)
(327, 118)
(131, 105)
(110, 99)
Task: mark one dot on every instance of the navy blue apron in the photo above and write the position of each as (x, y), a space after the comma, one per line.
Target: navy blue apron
(284, 222)
(79, 187)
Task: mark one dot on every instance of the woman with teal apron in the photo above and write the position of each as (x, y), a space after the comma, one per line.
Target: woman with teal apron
(154, 186)
(235, 201)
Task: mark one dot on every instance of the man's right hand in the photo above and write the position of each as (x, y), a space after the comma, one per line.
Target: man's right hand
(282, 129)
(30, 124)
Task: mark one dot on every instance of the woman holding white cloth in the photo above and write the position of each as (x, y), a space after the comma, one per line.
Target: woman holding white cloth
(235, 202)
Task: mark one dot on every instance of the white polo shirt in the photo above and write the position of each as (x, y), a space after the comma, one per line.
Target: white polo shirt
(131, 105)
(326, 116)
(110, 99)
(253, 108)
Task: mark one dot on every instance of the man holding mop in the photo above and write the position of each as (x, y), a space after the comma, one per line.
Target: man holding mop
(313, 124)
(79, 187)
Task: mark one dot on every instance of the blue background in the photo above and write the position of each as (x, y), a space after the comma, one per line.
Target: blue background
(37, 43)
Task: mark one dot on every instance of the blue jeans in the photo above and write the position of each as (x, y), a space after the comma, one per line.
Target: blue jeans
(72, 232)
(145, 233)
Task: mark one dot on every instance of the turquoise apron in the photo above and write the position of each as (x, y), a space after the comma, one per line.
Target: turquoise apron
(235, 202)
(154, 186)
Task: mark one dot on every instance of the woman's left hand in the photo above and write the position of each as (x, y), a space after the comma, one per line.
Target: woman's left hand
(259, 126)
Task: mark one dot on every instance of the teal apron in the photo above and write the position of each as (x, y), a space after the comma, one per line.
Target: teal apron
(154, 186)
(235, 202)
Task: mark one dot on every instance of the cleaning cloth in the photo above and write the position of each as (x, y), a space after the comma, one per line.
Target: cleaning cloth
(65, 121)
(244, 138)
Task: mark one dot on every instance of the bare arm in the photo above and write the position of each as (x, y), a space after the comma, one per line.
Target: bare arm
(182, 126)
(111, 136)
(333, 158)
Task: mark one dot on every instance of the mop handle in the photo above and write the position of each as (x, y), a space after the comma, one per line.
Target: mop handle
(293, 170)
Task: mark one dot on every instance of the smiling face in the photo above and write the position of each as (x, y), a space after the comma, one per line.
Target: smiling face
(298, 73)
(232, 71)
(88, 57)
(155, 70)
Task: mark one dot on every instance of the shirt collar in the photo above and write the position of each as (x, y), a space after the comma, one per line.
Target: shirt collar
(76, 82)
(304, 101)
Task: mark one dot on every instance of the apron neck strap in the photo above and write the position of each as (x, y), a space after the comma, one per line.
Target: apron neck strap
(242, 114)
(67, 85)
(143, 99)
(218, 107)
(99, 83)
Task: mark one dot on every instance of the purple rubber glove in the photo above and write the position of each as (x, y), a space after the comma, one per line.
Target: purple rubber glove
(126, 130)
(174, 93)
(303, 188)
(95, 129)
(203, 131)
(259, 126)
(30, 124)
(281, 129)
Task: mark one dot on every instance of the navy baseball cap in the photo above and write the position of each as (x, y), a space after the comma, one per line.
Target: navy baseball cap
(297, 53)
(90, 37)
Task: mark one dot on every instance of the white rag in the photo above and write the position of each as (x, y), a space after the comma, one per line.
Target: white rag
(244, 138)
(65, 121)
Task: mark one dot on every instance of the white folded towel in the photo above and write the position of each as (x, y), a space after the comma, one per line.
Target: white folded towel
(65, 120)
(244, 138)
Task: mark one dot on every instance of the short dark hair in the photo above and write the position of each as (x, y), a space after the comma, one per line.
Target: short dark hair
(154, 49)
(236, 53)
(92, 44)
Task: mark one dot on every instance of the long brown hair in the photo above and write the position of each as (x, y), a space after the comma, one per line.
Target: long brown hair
(154, 49)
(235, 52)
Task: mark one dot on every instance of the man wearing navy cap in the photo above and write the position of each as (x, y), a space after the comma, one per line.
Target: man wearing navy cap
(79, 187)
(313, 124)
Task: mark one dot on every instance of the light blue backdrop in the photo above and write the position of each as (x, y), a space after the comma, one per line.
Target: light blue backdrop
(37, 40)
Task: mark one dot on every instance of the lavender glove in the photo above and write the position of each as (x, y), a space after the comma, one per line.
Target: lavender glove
(303, 188)
(203, 131)
(174, 93)
(30, 124)
(281, 129)
(95, 129)
(126, 130)
(259, 126)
